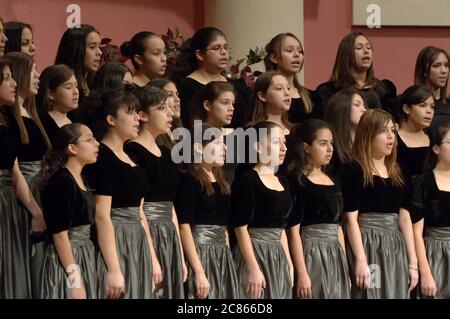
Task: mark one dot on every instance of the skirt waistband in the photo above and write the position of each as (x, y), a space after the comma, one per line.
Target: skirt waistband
(126, 215)
(5, 177)
(82, 232)
(158, 211)
(209, 234)
(320, 232)
(438, 233)
(378, 220)
(30, 169)
(265, 234)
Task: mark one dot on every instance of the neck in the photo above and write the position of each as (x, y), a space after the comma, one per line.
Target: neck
(379, 161)
(113, 141)
(290, 78)
(410, 127)
(147, 137)
(141, 78)
(74, 166)
(209, 75)
(276, 118)
(442, 167)
(316, 170)
(437, 93)
(264, 169)
(58, 114)
(20, 100)
(353, 133)
(208, 169)
(360, 77)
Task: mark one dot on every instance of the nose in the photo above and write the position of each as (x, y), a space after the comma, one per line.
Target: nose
(99, 52)
(13, 83)
(3, 37)
(137, 117)
(170, 113)
(33, 47)
(224, 147)
(163, 57)
(176, 98)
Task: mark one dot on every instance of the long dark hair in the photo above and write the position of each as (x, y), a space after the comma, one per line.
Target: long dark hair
(3, 63)
(297, 160)
(52, 77)
(424, 61)
(338, 114)
(136, 46)
(13, 31)
(96, 108)
(110, 75)
(274, 47)
(57, 156)
(71, 52)
(196, 169)
(436, 135)
(345, 59)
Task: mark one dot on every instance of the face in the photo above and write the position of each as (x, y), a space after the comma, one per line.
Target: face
(93, 53)
(438, 76)
(7, 88)
(28, 46)
(86, 148)
(321, 149)
(3, 39)
(214, 152)
(220, 111)
(216, 55)
(290, 60)
(127, 78)
(272, 149)
(174, 100)
(154, 61)
(421, 114)
(383, 143)
(158, 119)
(443, 150)
(363, 53)
(34, 82)
(65, 97)
(125, 123)
(358, 109)
(277, 97)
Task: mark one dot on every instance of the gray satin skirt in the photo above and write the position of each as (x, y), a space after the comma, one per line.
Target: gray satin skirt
(385, 250)
(133, 251)
(55, 284)
(217, 262)
(167, 248)
(15, 282)
(326, 262)
(31, 172)
(437, 244)
(272, 261)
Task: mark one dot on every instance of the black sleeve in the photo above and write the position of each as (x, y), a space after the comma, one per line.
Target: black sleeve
(186, 199)
(59, 203)
(322, 95)
(135, 153)
(101, 178)
(389, 98)
(416, 204)
(296, 215)
(351, 177)
(242, 202)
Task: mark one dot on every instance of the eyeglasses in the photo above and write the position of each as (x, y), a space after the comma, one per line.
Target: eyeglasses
(218, 49)
(91, 140)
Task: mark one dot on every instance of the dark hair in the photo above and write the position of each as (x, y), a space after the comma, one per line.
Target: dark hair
(210, 92)
(13, 31)
(150, 96)
(436, 135)
(3, 63)
(196, 170)
(260, 111)
(345, 59)
(110, 75)
(56, 157)
(337, 114)
(136, 46)
(21, 65)
(424, 62)
(100, 104)
(187, 61)
(52, 77)
(297, 160)
(274, 47)
(71, 52)
(413, 95)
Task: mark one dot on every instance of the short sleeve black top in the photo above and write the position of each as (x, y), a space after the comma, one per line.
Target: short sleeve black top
(381, 197)
(162, 174)
(441, 113)
(8, 148)
(110, 176)
(411, 159)
(428, 202)
(297, 112)
(195, 207)
(65, 204)
(257, 206)
(315, 203)
(49, 124)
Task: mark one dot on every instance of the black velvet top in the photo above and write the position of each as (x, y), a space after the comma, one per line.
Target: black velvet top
(36, 148)
(49, 124)
(428, 202)
(441, 113)
(257, 206)
(381, 197)
(381, 96)
(297, 112)
(315, 203)
(195, 207)
(162, 174)
(65, 204)
(411, 159)
(110, 176)
(8, 148)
